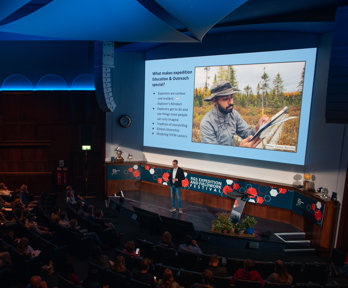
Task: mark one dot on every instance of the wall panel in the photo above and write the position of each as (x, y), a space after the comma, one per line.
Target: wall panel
(37, 129)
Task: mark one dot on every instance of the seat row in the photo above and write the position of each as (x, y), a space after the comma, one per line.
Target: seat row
(317, 272)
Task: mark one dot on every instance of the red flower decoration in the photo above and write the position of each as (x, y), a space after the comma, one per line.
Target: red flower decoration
(130, 169)
(252, 193)
(159, 180)
(227, 189)
(282, 190)
(185, 182)
(136, 173)
(259, 200)
(236, 203)
(313, 207)
(147, 167)
(165, 176)
(317, 215)
(236, 186)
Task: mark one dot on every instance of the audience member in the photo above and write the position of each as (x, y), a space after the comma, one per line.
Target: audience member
(167, 280)
(190, 246)
(344, 268)
(74, 227)
(208, 278)
(63, 220)
(280, 274)
(129, 249)
(4, 192)
(101, 221)
(32, 225)
(99, 258)
(3, 218)
(215, 268)
(119, 266)
(79, 210)
(5, 259)
(25, 197)
(247, 273)
(69, 273)
(143, 273)
(55, 215)
(3, 186)
(72, 197)
(36, 282)
(24, 248)
(166, 240)
(90, 215)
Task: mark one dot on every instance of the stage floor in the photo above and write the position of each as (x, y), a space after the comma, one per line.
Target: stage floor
(201, 216)
(265, 245)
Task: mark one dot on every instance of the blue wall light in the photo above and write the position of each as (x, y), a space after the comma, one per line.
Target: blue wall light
(48, 82)
(16, 82)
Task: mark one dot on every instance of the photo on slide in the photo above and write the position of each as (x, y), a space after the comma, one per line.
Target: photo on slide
(272, 89)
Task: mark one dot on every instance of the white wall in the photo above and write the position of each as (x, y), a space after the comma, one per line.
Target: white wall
(327, 145)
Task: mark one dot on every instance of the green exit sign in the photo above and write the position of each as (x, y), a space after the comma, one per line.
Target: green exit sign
(86, 147)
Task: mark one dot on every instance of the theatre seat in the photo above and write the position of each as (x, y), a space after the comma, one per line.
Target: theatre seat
(277, 285)
(247, 284)
(187, 277)
(222, 282)
(147, 248)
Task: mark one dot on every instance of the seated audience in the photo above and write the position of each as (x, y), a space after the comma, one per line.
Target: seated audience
(3, 186)
(90, 215)
(190, 246)
(69, 273)
(63, 220)
(73, 198)
(4, 194)
(215, 268)
(25, 197)
(129, 249)
(344, 268)
(79, 209)
(208, 278)
(119, 266)
(166, 240)
(247, 273)
(99, 258)
(24, 248)
(55, 215)
(5, 259)
(36, 282)
(32, 225)
(4, 218)
(74, 227)
(167, 280)
(280, 274)
(101, 221)
(341, 270)
(143, 273)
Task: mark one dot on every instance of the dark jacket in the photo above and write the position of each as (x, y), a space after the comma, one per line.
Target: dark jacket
(179, 175)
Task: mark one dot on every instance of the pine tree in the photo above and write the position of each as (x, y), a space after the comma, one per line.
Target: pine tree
(233, 78)
(300, 84)
(222, 74)
(264, 85)
(248, 92)
(278, 86)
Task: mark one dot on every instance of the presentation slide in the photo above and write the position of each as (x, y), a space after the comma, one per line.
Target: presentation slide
(250, 105)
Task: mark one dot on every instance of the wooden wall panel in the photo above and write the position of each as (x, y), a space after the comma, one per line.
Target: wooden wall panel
(37, 129)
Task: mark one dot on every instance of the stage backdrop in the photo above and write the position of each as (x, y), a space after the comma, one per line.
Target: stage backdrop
(224, 187)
